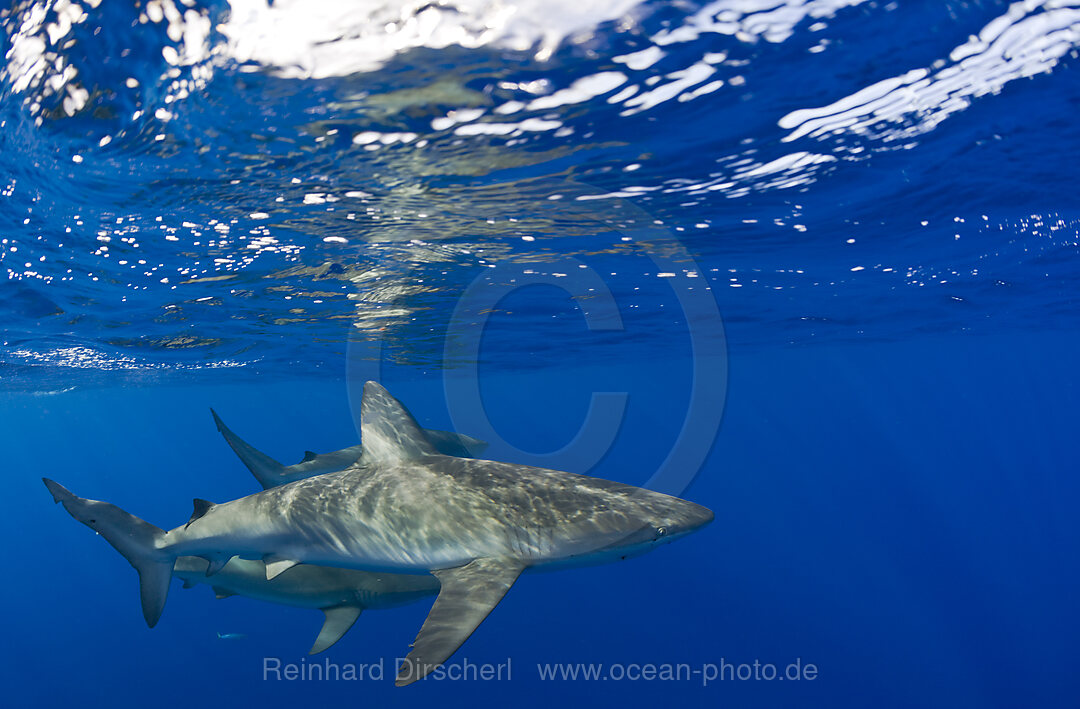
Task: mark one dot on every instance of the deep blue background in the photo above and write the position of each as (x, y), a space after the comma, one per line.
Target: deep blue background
(900, 515)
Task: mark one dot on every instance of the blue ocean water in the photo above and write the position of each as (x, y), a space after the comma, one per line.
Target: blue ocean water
(848, 226)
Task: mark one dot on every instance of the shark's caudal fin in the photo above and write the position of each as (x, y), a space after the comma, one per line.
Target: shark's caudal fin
(389, 432)
(135, 539)
(467, 595)
(266, 470)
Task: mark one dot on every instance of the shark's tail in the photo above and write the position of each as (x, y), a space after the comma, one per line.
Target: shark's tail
(266, 470)
(137, 540)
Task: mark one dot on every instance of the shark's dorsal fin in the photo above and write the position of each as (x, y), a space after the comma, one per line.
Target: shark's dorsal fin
(338, 621)
(309, 456)
(201, 507)
(388, 430)
(467, 595)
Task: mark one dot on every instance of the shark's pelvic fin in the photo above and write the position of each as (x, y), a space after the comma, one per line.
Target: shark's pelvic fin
(201, 507)
(266, 470)
(468, 594)
(338, 621)
(388, 430)
(135, 539)
(188, 583)
(216, 562)
(276, 565)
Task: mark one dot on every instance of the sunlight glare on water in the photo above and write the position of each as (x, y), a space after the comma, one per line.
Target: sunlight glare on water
(244, 184)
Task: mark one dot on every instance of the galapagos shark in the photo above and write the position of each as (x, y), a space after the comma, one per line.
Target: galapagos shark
(403, 507)
(271, 473)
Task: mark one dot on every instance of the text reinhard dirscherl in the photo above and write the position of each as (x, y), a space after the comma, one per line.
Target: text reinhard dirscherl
(325, 670)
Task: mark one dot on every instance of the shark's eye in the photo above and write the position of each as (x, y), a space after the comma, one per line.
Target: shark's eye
(661, 531)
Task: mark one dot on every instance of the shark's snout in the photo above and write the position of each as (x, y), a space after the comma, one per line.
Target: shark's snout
(688, 517)
(699, 516)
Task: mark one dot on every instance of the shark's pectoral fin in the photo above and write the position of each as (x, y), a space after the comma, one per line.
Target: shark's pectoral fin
(338, 621)
(216, 563)
(467, 596)
(275, 565)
